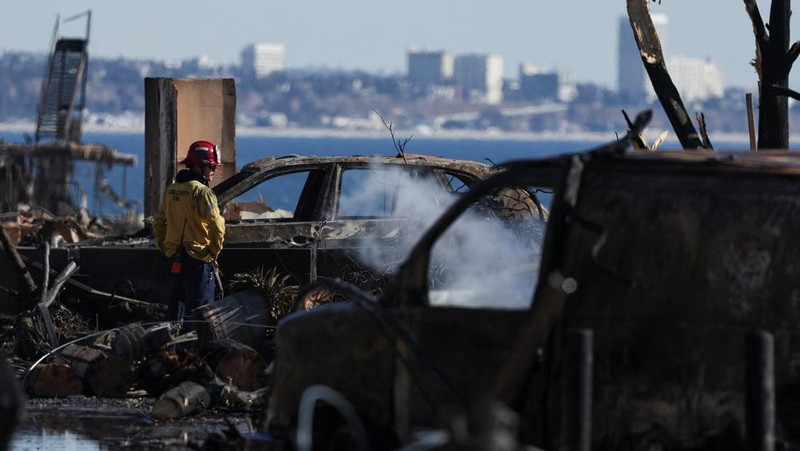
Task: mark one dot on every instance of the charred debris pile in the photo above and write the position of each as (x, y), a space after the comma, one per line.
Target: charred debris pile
(65, 340)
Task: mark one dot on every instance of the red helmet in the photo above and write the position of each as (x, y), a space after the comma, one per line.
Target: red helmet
(201, 153)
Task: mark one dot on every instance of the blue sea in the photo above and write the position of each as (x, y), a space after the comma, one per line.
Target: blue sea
(128, 182)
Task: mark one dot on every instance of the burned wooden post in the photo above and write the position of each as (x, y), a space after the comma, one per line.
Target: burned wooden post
(579, 344)
(27, 285)
(773, 62)
(759, 391)
(751, 123)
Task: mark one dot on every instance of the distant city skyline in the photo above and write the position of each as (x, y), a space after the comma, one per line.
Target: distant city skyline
(579, 39)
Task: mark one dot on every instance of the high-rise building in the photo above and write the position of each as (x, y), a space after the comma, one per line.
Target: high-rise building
(480, 77)
(260, 60)
(695, 78)
(537, 85)
(631, 80)
(429, 67)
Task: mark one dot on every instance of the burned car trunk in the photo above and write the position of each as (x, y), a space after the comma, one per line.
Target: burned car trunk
(669, 259)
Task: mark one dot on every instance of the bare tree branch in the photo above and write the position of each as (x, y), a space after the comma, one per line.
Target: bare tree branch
(638, 140)
(701, 122)
(659, 140)
(794, 51)
(759, 31)
(779, 90)
(400, 146)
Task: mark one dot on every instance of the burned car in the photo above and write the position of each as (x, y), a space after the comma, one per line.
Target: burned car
(654, 271)
(312, 213)
(304, 216)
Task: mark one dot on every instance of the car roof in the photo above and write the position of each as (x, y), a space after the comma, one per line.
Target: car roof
(269, 163)
(255, 170)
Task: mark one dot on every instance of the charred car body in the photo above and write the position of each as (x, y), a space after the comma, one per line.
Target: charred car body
(304, 216)
(668, 260)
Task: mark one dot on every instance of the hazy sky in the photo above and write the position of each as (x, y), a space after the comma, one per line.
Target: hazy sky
(577, 37)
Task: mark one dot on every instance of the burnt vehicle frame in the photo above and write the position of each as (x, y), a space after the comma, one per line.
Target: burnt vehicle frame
(318, 200)
(313, 242)
(318, 239)
(670, 259)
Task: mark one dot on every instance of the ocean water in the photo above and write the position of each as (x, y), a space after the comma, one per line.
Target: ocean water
(128, 182)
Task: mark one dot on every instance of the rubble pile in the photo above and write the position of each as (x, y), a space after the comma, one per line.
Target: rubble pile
(68, 340)
(183, 374)
(33, 226)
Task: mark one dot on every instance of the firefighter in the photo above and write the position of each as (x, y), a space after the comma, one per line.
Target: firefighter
(189, 230)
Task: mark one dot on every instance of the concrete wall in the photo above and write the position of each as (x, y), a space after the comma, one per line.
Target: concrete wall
(179, 111)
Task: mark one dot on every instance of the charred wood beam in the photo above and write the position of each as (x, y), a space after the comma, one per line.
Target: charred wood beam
(27, 285)
(650, 50)
(785, 92)
(184, 399)
(49, 295)
(45, 324)
(773, 62)
(89, 152)
(760, 391)
(46, 272)
(701, 122)
(638, 139)
(760, 33)
(93, 292)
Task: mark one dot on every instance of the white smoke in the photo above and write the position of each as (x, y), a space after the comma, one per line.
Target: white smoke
(486, 262)
(480, 261)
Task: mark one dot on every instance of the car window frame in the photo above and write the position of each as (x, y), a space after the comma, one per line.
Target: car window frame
(309, 214)
(437, 172)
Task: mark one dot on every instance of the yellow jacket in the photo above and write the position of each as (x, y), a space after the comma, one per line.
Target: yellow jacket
(189, 214)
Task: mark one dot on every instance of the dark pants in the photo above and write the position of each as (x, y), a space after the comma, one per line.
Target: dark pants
(194, 287)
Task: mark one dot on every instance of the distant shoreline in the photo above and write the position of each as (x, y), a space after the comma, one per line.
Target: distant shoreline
(26, 127)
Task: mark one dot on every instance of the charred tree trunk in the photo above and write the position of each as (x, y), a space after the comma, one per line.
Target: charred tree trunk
(650, 50)
(773, 62)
